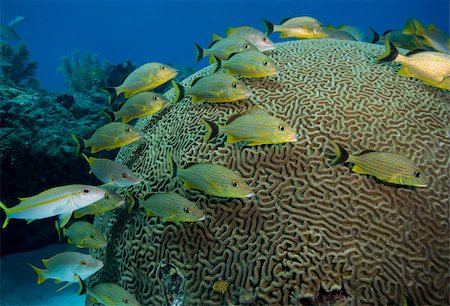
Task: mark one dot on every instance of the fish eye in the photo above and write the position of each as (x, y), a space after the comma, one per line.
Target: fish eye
(264, 39)
(128, 129)
(416, 173)
(234, 184)
(163, 67)
(125, 175)
(265, 63)
(155, 98)
(91, 236)
(85, 190)
(83, 263)
(234, 85)
(126, 301)
(187, 210)
(246, 46)
(281, 128)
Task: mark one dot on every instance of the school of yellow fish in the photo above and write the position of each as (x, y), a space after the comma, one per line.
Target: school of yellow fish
(239, 54)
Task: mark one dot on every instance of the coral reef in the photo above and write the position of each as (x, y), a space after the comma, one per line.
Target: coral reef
(15, 64)
(313, 232)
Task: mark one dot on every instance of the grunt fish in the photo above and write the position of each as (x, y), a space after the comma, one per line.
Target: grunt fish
(55, 201)
(223, 47)
(217, 87)
(111, 172)
(432, 36)
(298, 27)
(108, 137)
(254, 126)
(212, 179)
(357, 33)
(171, 206)
(249, 64)
(84, 235)
(111, 201)
(333, 33)
(430, 67)
(388, 167)
(110, 294)
(254, 36)
(68, 267)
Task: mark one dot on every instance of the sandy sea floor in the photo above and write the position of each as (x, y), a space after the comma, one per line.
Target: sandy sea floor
(18, 281)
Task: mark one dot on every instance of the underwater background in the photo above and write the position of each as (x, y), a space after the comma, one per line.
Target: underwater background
(43, 104)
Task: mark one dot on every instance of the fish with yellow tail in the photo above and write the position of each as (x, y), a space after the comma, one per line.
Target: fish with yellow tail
(84, 235)
(388, 167)
(223, 47)
(171, 206)
(108, 137)
(297, 27)
(217, 87)
(254, 126)
(254, 36)
(71, 267)
(430, 67)
(111, 201)
(145, 77)
(248, 64)
(55, 201)
(140, 105)
(212, 179)
(110, 294)
(111, 172)
(432, 36)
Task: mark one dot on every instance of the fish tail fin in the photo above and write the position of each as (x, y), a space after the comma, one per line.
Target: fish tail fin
(112, 93)
(341, 154)
(218, 63)
(212, 130)
(40, 274)
(420, 29)
(199, 52)
(410, 28)
(89, 160)
(268, 25)
(179, 91)
(375, 36)
(111, 116)
(172, 165)
(79, 143)
(389, 55)
(6, 209)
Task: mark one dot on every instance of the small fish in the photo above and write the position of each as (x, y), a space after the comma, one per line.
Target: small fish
(110, 294)
(430, 67)
(223, 47)
(111, 201)
(212, 179)
(140, 105)
(357, 33)
(388, 167)
(432, 36)
(254, 126)
(217, 87)
(249, 64)
(171, 206)
(145, 77)
(111, 172)
(55, 201)
(17, 20)
(108, 137)
(333, 33)
(84, 235)
(8, 33)
(404, 41)
(68, 267)
(254, 36)
(298, 27)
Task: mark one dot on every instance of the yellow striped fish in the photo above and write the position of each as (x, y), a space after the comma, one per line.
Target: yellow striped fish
(430, 67)
(111, 172)
(254, 126)
(110, 294)
(140, 105)
(249, 64)
(55, 201)
(145, 77)
(217, 87)
(388, 167)
(84, 235)
(68, 267)
(111, 201)
(254, 36)
(171, 206)
(223, 47)
(298, 27)
(108, 137)
(212, 179)
(432, 36)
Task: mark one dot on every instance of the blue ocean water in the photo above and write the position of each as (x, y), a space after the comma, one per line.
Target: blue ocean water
(164, 31)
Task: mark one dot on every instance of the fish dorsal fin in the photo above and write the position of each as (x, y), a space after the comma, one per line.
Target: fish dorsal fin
(432, 28)
(255, 110)
(149, 213)
(231, 55)
(330, 27)
(147, 195)
(230, 31)
(387, 32)
(212, 43)
(188, 165)
(285, 19)
(358, 169)
(415, 51)
(195, 81)
(234, 117)
(45, 262)
(216, 37)
(23, 199)
(91, 133)
(365, 152)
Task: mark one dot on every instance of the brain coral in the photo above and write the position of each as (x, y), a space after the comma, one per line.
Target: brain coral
(311, 227)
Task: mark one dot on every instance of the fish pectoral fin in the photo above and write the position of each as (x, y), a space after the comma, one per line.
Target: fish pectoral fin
(358, 169)
(93, 299)
(64, 218)
(187, 185)
(45, 262)
(405, 72)
(63, 287)
(232, 139)
(196, 99)
(149, 213)
(29, 221)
